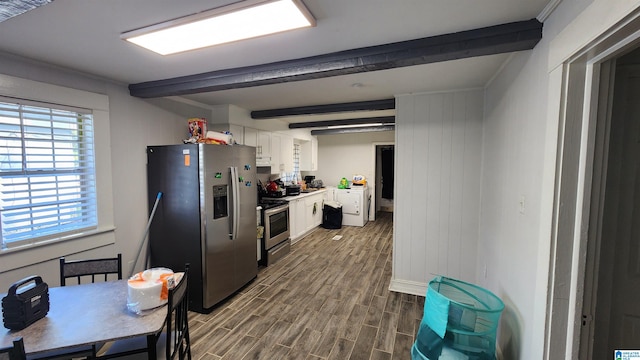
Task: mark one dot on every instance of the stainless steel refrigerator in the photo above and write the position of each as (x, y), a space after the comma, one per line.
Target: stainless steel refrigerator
(206, 216)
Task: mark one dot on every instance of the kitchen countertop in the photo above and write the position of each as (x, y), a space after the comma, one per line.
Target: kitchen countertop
(304, 194)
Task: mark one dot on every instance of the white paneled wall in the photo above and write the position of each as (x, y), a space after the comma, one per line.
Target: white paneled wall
(437, 188)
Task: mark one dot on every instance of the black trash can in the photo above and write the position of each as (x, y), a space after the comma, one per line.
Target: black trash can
(332, 215)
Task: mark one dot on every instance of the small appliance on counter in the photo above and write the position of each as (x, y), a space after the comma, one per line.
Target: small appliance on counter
(317, 184)
(292, 190)
(312, 183)
(273, 189)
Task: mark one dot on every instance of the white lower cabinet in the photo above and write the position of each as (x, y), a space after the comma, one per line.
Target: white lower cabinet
(296, 220)
(305, 214)
(313, 211)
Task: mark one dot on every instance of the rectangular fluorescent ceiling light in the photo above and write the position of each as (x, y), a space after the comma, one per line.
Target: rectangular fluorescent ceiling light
(238, 21)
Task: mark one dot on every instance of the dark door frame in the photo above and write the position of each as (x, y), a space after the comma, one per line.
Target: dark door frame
(374, 194)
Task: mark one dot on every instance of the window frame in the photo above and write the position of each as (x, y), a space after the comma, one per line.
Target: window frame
(39, 124)
(103, 234)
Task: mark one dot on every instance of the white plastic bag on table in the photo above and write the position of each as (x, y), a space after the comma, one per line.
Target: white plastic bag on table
(149, 289)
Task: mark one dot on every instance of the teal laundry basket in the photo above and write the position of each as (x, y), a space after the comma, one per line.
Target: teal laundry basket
(460, 321)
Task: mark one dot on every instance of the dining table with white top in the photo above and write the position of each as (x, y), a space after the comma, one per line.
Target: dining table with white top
(87, 314)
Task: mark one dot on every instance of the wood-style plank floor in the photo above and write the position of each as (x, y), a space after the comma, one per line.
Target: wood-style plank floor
(328, 299)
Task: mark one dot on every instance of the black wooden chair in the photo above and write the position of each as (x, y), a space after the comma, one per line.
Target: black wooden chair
(83, 270)
(15, 352)
(93, 267)
(173, 342)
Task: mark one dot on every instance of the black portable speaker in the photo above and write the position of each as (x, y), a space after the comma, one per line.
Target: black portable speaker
(22, 308)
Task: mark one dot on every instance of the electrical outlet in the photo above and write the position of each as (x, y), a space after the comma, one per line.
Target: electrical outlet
(521, 204)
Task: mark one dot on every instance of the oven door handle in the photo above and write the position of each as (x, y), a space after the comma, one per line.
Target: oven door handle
(274, 210)
(235, 211)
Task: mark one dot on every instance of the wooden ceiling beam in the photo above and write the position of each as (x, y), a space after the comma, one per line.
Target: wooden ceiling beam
(504, 38)
(343, 122)
(373, 105)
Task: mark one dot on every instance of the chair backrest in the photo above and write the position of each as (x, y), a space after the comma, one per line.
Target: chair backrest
(92, 267)
(15, 352)
(177, 324)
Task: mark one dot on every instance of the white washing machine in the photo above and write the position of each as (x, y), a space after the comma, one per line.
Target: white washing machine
(355, 205)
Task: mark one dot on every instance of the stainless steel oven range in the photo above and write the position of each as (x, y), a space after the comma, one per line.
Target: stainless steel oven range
(275, 218)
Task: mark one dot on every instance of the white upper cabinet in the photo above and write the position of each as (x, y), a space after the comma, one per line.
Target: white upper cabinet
(251, 137)
(309, 155)
(274, 149)
(264, 146)
(286, 153)
(261, 140)
(281, 153)
(275, 153)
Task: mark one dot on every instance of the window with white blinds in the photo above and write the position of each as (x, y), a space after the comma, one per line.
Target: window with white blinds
(293, 177)
(296, 160)
(47, 172)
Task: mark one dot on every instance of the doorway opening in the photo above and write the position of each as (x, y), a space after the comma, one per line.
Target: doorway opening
(611, 317)
(384, 177)
(596, 226)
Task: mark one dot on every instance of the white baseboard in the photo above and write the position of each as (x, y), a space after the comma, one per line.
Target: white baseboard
(408, 287)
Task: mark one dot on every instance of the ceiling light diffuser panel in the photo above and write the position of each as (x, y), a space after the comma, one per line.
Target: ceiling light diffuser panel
(243, 20)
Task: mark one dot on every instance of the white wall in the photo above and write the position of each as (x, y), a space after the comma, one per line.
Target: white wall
(510, 233)
(437, 187)
(521, 127)
(345, 155)
(134, 124)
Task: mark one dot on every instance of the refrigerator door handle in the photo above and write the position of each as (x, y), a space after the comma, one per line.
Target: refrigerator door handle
(236, 204)
(235, 212)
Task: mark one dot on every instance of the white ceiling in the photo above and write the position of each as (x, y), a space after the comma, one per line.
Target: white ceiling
(84, 35)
